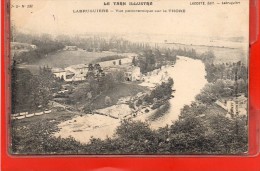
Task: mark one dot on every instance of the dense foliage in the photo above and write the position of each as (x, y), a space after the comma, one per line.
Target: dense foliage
(161, 92)
(201, 128)
(215, 134)
(44, 46)
(230, 71)
(32, 92)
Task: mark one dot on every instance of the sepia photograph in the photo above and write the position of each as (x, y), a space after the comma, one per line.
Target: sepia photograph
(160, 77)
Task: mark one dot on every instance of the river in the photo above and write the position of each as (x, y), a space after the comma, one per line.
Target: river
(189, 78)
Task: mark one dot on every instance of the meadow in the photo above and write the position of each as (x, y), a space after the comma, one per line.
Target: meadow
(223, 54)
(62, 58)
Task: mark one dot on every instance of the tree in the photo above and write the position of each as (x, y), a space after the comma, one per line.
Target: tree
(108, 100)
(118, 76)
(14, 86)
(21, 89)
(90, 67)
(40, 93)
(208, 57)
(206, 96)
(134, 61)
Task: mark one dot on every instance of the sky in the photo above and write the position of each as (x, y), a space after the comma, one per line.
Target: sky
(56, 17)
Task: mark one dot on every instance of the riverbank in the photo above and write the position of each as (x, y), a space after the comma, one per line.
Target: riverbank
(189, 79)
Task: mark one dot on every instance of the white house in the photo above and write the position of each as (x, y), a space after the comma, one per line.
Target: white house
(59, 72)
(133, 73)
(72, 73)
(33, 46)
(70, 48)
(236, 105)
(80, 71)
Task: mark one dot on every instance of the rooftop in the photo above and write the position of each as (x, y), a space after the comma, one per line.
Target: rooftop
(79, 66)
(69, 72)
(56, 70)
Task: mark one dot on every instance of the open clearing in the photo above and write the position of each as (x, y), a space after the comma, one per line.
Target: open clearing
(65, 58)
(118, 91)
(223, 54)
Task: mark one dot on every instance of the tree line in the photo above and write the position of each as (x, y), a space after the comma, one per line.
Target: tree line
(190, 134)
(32, 92)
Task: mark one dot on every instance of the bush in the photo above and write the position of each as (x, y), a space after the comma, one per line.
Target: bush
(139, 102)
(158, 104)
(162, 108)
(108, 100)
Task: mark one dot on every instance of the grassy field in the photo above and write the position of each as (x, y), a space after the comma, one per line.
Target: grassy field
(64, 58)
(118, 91)
(223, 54)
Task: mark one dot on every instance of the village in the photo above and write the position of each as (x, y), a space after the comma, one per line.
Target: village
(79, 72)
(127, 83)
(92, 98)
(73, 75)
(130, 75)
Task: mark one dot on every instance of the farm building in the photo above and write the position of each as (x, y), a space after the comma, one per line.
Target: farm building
(59, 73)
(236, 105)
(80, 71)
(133, 73)
(70, 48)
(72, 73)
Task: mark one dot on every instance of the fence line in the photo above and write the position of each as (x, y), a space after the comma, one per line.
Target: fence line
(23, 115)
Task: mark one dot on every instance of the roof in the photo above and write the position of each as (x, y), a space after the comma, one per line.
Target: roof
(79, 66)
(69, 72)
(237, 99)
(240, 98)
(56, 70)
(70, 46)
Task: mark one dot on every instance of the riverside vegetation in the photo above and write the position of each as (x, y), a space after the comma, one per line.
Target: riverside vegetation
(200, 129)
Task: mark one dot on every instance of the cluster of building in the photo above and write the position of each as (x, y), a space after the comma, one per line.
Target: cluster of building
(72, 73)
(70, 48)
(80, 71)
(235, 105)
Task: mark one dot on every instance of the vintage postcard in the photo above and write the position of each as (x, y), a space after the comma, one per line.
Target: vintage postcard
(129, 77)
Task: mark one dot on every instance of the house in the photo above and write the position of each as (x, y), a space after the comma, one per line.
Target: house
(33, 46)
(236, 105)
(70, 48)
(133, 73)
(66, 75)
(69, 76)
(77, 72)
(59, 73)
(72, 73)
